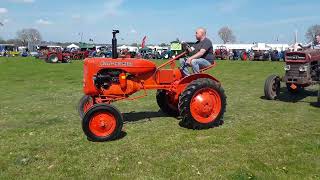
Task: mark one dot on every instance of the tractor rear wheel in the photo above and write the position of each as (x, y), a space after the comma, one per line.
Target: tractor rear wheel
(165, 104)
(202, 104)
(85, 103)
(272, 87)
(53, 58)
(102, 122)
(67, 59)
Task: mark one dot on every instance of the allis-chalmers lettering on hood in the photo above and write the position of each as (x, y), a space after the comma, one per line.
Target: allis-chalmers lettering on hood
(115, 63)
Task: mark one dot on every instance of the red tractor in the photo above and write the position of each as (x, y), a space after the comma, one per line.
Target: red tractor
(222, 53)
(58, 57)
(302, 70)
(199, 98)
(54, 54)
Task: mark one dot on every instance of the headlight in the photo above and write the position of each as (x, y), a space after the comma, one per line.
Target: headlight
(303, 68)
(287, 67)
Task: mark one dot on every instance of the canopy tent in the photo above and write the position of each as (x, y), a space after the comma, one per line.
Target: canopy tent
(86, 46)
(261, 47)
(130, 48)
(73, 46)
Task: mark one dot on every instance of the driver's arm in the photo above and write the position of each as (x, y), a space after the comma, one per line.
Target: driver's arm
(197, 55)
(306, 45)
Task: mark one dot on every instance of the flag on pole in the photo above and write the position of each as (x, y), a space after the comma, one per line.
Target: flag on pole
(143, 44)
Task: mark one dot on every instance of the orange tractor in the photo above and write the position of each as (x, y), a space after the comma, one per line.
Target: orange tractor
(199, 98)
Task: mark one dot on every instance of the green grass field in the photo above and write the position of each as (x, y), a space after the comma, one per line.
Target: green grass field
(41, 135)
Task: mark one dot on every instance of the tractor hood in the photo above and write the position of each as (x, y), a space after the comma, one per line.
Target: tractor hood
(303, 56)
(129, 65)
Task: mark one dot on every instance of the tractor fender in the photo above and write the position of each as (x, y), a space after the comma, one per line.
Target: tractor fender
(183, 83)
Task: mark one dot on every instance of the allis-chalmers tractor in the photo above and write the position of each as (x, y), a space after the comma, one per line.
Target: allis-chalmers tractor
(199, 98)
(302, 70)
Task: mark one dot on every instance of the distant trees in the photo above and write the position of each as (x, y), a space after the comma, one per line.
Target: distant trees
(163, 45)
(312, 32)
(29, 35)
(226, 35)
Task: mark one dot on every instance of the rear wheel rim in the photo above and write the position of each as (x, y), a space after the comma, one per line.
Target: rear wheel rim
(102, 124)
(205, 105)
(54, 59)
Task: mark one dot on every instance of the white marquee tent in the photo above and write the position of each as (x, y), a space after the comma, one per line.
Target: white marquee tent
(73, 46)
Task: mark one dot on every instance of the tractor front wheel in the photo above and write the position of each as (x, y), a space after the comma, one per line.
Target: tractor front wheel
(102, 122)
(165, 103)
(85, 103)
(202, 104)
(272, 87)
(53, 58)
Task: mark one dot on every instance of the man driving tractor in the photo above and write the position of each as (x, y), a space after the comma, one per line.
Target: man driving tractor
(203, 56)
(313, 45)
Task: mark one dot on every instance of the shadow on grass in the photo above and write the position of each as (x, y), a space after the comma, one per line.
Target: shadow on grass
(134, 117)
(121, 136)
(286, 96)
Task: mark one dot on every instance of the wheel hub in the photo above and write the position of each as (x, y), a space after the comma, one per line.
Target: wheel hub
(102, 124)
(205, 105)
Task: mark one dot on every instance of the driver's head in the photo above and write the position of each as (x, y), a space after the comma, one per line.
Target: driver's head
(201, 33)
(318, 38)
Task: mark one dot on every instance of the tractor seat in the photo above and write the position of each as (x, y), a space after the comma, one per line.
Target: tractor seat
(209, 67)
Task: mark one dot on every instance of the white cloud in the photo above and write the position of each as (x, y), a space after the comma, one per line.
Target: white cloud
(112, 7)
(76, 16)
(43, 22)
(284, 21)
(133, 31)
(23, 1)
(229, 6)
(3, 10)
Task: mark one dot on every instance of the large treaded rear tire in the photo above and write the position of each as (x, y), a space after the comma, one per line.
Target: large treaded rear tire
(187, 96)
(272, 87)
(165, 105)
(53, 58)
(85, 103)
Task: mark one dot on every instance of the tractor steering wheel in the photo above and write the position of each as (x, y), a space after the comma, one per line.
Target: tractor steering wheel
(187, 47)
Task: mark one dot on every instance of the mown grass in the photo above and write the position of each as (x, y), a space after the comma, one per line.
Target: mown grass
(41, 135)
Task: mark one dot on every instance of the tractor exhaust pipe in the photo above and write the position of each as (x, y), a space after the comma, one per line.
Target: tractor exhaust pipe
(114, 44)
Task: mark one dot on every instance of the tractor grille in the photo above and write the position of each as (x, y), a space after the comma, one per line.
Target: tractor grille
(294, 70)
(295, 76)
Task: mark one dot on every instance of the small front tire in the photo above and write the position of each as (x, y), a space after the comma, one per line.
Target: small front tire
(102, 122)
(272, 87)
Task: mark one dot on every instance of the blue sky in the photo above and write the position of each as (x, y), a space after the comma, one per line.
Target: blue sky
(160, 20)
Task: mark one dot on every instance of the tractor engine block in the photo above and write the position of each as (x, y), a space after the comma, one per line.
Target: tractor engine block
(106, 78)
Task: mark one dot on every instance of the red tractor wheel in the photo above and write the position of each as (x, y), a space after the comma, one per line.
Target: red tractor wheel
(202, 104)
(272, 87)
(53, 58)
(85, 103)
(102, 122)
(164, 101)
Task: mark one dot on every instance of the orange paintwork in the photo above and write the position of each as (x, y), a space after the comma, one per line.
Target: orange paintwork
(102, 124)
(137, 74)
(206, 105)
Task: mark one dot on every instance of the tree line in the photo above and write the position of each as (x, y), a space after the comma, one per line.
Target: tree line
(226, 34)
